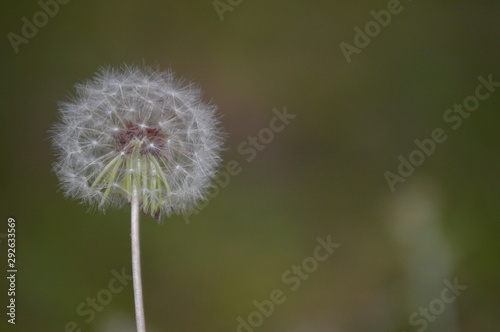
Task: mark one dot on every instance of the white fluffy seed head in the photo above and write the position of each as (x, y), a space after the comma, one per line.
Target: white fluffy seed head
(139, 126)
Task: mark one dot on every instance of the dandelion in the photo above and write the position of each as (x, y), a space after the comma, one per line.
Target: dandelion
(137, 136)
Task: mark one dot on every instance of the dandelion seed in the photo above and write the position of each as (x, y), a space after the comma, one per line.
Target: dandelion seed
(122, 117)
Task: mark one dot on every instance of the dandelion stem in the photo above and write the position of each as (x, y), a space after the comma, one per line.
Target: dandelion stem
(136, 261)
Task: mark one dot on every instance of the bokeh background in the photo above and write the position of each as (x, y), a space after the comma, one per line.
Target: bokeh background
(321, 176)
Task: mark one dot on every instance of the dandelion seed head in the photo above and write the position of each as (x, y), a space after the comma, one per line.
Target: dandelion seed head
(137, 126)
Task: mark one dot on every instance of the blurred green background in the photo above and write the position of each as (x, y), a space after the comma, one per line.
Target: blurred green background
(322, 175)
